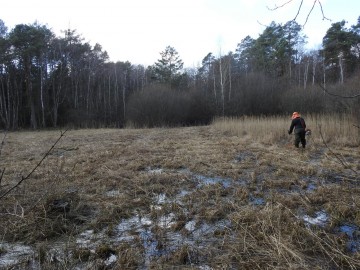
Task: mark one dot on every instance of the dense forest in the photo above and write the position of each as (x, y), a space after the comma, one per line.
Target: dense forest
(50, 81)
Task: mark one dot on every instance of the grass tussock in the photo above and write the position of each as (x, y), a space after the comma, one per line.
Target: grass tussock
(232, 195)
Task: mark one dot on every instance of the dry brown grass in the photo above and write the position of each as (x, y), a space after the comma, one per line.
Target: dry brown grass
(337, 129)
(249, 216)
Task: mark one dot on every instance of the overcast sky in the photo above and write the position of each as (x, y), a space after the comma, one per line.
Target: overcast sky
(138, 30)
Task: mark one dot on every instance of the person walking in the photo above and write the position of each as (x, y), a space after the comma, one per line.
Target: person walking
(299, 127)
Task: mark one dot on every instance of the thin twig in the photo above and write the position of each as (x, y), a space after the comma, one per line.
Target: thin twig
(33, 170)
(307, 17)
(299, 9)
(277, 7)
(329, 93)
(297, 14)
(336, 95)
(322, 11)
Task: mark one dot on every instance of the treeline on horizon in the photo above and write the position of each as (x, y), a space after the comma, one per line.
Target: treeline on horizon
(50, 81)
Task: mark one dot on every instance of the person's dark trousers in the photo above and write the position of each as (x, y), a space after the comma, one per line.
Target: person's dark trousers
(300, 137)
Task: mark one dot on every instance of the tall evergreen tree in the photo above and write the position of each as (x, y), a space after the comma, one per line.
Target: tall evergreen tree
(206, 74)
(244, 55)
(29, 43)
(339, 57)
(275, 50)
(168, 68)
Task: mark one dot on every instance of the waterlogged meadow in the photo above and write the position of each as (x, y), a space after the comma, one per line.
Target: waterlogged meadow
(227, 196)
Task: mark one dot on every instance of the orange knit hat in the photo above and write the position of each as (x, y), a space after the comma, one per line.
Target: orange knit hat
(295, 115)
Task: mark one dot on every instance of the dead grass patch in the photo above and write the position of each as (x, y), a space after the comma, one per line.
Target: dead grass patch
(184, 197)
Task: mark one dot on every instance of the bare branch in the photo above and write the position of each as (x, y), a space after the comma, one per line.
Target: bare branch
(299, 9)
(282, 5)
(336, 95)
(332, 94)
(261, 23)
(33, 170)
(312, 8)
(15, 213)
(322, 11)
(297, 14)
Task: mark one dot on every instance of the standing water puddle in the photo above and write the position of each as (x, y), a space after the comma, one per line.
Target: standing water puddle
(256, 200)
(205, 180)
(311, 187)
(320, 219)
(353, 234)
(198, 234)
(12, 254)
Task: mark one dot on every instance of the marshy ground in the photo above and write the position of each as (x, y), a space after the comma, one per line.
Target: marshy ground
(180, 198)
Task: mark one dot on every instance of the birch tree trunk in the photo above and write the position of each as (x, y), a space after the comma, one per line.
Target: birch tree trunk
(124, 96)
(313, 71)
(29, 90)
(214, 85)
(109, 93)
(55, 96)
(42, 96)
(222, 87)
(88, 93)
(341, 66)
(230, 85)
(306, 70)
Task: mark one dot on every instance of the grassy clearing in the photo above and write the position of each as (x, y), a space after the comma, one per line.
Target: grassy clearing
(232, 195)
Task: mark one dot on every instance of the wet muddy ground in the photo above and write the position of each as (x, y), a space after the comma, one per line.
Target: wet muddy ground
(192, 198)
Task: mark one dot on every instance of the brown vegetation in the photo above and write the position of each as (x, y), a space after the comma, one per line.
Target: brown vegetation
(233, 195)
